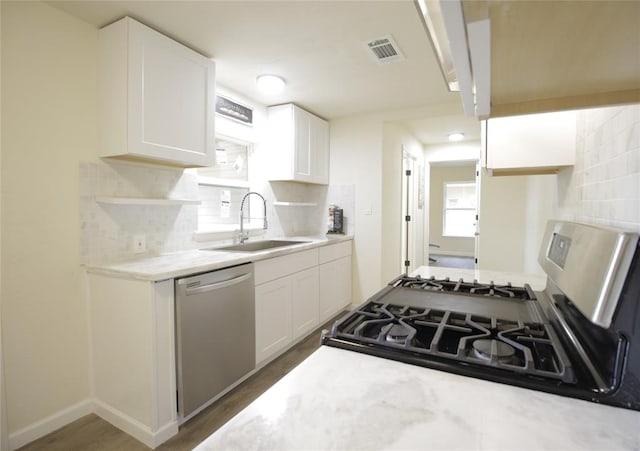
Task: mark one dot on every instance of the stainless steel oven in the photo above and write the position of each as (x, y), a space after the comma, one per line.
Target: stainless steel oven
(579, 337)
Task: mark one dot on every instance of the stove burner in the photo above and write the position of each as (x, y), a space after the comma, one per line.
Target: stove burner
(397, 334)
(487, 349)
(470, 288)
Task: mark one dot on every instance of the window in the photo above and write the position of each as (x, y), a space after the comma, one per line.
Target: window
(459, 209)
(222, 187)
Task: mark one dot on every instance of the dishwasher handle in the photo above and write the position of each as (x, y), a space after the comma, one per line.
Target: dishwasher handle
(216, 286)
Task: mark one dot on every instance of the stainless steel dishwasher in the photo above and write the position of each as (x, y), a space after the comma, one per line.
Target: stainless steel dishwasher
(215, 334)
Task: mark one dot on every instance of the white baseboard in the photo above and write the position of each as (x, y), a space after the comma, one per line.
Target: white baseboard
(451, 253)
(127, 424)
(49, 424)
(133, 427)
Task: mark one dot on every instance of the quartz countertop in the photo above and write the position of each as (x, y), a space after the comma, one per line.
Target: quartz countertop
(181, 264)
(343, 400)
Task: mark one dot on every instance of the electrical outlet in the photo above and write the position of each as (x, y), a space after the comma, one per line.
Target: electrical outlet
(139, 243)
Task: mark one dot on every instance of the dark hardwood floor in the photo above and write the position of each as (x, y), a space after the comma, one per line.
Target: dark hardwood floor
(93, 433)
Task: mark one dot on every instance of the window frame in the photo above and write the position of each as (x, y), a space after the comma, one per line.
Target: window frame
(445, 208)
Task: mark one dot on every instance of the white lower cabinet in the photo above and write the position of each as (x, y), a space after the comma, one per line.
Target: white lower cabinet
(286, 309)
(273, 317)
(133, 359)
(304, 303)
(296, 293)
(335, 278)
(286, 301)
(335, 287)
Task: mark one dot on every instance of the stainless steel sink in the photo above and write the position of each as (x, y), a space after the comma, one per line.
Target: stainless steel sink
(255, 246)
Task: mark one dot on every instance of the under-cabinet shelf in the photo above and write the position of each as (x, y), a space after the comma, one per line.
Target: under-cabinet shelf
(225, 183)
(145, 201)
(295, 204)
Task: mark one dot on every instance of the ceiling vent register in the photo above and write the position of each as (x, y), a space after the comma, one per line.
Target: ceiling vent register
(385, 50)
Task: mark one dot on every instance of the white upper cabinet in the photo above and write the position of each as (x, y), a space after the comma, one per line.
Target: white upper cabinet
(157, 98)
(298, 145)
(533, 143)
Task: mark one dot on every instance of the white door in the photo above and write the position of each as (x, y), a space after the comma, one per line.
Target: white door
(412, 221)
(477, 222)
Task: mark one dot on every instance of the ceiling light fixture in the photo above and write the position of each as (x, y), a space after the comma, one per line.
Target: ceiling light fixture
(270, 84)
(456, 136)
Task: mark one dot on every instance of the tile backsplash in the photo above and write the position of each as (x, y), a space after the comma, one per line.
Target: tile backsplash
(604, 185)
(107, 230)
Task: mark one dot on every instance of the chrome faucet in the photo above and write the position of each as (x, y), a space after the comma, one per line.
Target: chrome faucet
(244, 238)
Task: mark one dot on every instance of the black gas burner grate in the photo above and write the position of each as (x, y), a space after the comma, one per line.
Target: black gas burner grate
(515, 346)
(460, 286)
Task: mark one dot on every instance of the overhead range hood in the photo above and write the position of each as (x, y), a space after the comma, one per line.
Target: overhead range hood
(463, 48)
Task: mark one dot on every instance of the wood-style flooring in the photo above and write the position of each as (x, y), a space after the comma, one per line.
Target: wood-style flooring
(450, 261)
(93, 433)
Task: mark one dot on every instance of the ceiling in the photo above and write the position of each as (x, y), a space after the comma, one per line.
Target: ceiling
(545, 55)
(318, 47)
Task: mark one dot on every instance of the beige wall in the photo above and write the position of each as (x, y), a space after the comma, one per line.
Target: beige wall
(439, 175)
(49, 86)
(4, 440)
(358, 158)
(502, 223)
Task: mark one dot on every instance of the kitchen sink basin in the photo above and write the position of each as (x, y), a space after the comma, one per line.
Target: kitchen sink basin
(255, 246)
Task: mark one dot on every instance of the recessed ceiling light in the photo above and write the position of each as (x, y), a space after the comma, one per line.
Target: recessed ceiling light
(455, 137)
(270, 84)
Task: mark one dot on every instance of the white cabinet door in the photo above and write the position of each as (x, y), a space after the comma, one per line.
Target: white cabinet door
(157, 97)
(534, 141)
(305, 301)
(302, 156)
(299, 145)
(335, 286)
(319, 150)
(273, 317)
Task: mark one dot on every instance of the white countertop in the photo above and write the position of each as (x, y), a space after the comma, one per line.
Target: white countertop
(537, 282)
(181, 264)
(338, 399)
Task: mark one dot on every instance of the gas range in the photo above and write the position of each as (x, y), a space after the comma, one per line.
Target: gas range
(585, 347)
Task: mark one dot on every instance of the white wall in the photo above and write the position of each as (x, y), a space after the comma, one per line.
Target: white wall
(452, 152)
(49, 86)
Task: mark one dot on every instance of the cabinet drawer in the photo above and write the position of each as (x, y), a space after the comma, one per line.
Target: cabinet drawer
(274, 268)
(334, 251)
